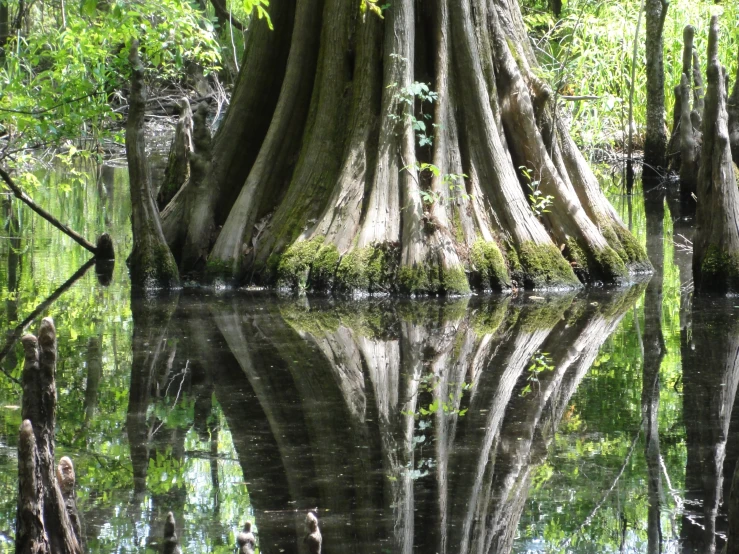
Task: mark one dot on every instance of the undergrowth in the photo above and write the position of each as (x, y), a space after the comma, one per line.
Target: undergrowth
(589, 50)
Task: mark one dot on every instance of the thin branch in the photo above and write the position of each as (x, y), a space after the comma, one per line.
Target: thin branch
(222, 11)
(591, 515)
(46, 215)
(52, 108)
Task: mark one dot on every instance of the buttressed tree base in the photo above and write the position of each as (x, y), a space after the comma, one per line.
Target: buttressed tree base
(413, 150)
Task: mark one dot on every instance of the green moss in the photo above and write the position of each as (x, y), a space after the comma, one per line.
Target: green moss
(363, 269)
(457, 226)
(430, 279)
(419, 280)
(605, 265)
(324, 267)
(544, 315)
(544, 267)
(633, 252)
(153, 267)
(610, 265)
(575, 253)
(513, 262)
(294, 266)
(488, 319)
(719, 270)
(219, 269)
(486, 259)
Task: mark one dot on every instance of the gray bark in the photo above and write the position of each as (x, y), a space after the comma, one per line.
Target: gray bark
(177, 171)
(732, 108)
(47, 520)
(338, 205)
(151, 263)
(655, 145)
(716, 250)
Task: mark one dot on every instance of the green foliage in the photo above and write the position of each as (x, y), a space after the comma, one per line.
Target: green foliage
(408, 98)
(538, 202)
(372, 6)
(57, 83)
(588, 52)
(540, 361)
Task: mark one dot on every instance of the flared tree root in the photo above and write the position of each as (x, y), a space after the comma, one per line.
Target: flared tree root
(407, 174)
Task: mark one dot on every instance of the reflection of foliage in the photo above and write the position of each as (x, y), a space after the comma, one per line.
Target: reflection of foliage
(540, 361)
(595, 435)
(94, 330)
(429, 384)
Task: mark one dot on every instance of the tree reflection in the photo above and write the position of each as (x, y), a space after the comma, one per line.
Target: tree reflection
(710, 378)
(409, 426)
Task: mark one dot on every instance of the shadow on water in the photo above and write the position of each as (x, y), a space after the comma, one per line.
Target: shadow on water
(600, 422)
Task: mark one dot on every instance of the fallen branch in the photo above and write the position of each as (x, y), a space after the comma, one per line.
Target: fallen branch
(23, 197)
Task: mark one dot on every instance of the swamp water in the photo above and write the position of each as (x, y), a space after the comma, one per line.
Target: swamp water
(595, 422)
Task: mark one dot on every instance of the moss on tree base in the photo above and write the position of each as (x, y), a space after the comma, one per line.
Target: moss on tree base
(431, 279)
(719, 270)
(488, 265)
(153, 267)
(542, 266)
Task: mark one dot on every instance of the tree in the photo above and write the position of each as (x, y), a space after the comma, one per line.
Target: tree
(418, 152)
(716, 253)
(655, 144)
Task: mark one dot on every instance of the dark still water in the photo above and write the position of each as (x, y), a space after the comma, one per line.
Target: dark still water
(597, 422)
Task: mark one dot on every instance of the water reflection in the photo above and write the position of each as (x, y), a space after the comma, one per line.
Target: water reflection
(410, 426)
(598, 422)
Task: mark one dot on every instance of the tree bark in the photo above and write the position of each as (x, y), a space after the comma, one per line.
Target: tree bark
(177, 171)
(334, 200)
(710, 379)
(654, 351)
(655, 144)
(733, 109)
(716, 250)
(151, 263)
(673, 148)
(251, 110)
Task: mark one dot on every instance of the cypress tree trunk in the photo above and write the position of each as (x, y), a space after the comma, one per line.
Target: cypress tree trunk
(151, 263)
(392, 162)
(655, 144)
(177, 171)
(716, 250)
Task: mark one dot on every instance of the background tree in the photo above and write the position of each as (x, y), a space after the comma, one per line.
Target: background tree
(716, 253)
(655, 144)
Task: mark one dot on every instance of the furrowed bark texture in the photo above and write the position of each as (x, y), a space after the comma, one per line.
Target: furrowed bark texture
(655, 144)
(716, 250)
(240, 136)
(685, 142)
(733, 109)
(673, 148)
(177, 171)
(390, 163)
(47, 520)
(151, 263)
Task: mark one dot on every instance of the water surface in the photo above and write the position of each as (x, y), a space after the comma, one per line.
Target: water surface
(596, 422)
